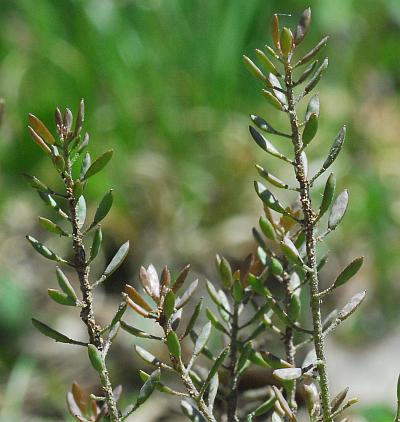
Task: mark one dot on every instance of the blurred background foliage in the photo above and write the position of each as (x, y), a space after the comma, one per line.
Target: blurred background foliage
(165, 87)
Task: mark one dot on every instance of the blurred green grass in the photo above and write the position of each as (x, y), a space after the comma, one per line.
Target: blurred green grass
(165, 87)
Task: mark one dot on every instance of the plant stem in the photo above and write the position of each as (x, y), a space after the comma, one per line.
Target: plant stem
(180, 369)
(232, 398)
(290, 351)
(309, 220)
(82, 269)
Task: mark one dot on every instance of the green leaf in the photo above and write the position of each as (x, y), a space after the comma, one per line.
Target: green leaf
(253, 69)
(271, 178)
(267, 228)
(41, 129)
(148, 388)
(96, 358)
(277, 89)
(225, 272)
(350, 271)
(338, 210)
(191, 412)
(316, 77)
(81, 211)
(52, 203)
(98, 164)
(96, 243)
(276, 266)
(148, 357)
(35, 182)
(284, 404)
(169, 305)
(274, 362)
(202, 339)
(272, 100)
(103, 208)
(262, 124)
(333, 153)
(307, 72)
(310, 129)
(268, 65)
(52, 227)
(287, 374)
(173, 344)
(268, 198)
(214, 369)
(291, 252)
(214, 321)
(181, 301)
(327, 197)
(237, 291)
(351, 306)
(212, 291)
(193, 318)
(136, 332)
(78, 188)
(312, 53)
(286, 41)
(265, 407)
(53, 334)
(39, 141)
(64, 284)
(313, 107)
(116, 261)
(61, 297)
(44, 250)
(303, 26)
(160, 386)
(266, 145)
(86, 162)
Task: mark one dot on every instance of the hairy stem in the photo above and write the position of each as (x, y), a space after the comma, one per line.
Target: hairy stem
(309, 220)
(232, 398)
(82, 269)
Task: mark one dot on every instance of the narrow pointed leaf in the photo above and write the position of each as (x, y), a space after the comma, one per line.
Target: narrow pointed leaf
(214, 369)
(148, 388)
(350, 271)
(99, 164)
(286, 41)
(81, 211)
(333, 153)
(52, 203)
(43, 250)
(202, 339)
(181, 279)
(103, 208)
(284, 404)
(272, 100)
(316, 77)
(268, 65)
(267, 228)
(310, 129)
(61, 297)
(338, 399)
(287, 374)
(303, 26)
(52, 227)
(313, 107)
(173, 344)
(169, 304)
(64, 284)
(96, 358)
(53, 334)
(271, 178)
(191, 412)
(193, 318)
(265, 407)
(262, 124)
(266, 145)
(35, 182)
(96, 243)
(41, 129)
(117, 260)
(137, 298)
(327, 197)
(268, 198)
(275, 32)
(351, 307)
(136, 332)
(254, 69)
(39, 141)
(225, 272)
(274, 81)
(181, 301)
(312, 53)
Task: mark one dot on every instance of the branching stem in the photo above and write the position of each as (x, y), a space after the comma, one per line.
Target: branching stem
(82, 269)
(309, 221)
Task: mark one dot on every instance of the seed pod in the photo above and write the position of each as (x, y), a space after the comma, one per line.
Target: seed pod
(269, 66)
(272, 100)
(41, 129)
(275, 32)
(303, 26)
(173, 345)
(350, 271)
(96, 244)
(169, 305)
(64, 284)
(312, 53)
(338, 210)
(286, 41)
(39, 141)
(310, 129)
(253, 69)
(327, 197)
(96, 359)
